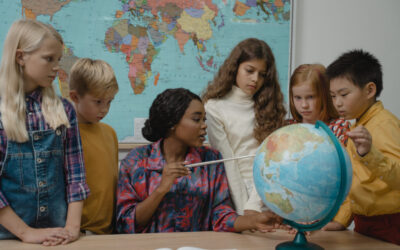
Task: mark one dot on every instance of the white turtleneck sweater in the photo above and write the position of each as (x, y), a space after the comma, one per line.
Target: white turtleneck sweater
(230, 125)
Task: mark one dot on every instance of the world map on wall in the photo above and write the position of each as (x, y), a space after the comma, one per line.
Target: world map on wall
(153, 45)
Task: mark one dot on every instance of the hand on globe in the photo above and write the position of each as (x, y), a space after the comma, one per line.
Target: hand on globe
(362, 139)
(265, 221)
(269, 228)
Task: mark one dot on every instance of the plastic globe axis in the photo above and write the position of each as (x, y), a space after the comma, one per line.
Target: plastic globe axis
(300, 241)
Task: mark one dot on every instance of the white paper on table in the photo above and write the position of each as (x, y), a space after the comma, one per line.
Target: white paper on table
(192, 248)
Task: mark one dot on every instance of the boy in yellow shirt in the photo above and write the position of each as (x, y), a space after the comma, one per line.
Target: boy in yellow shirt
(374, 148)
(92, 88)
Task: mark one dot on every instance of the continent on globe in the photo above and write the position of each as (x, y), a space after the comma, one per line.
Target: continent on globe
(283, 142)
(283, 204)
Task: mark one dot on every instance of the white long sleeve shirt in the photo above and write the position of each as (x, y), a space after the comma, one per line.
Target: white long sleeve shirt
(230, 126)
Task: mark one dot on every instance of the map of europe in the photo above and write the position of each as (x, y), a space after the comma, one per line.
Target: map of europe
(153, 45)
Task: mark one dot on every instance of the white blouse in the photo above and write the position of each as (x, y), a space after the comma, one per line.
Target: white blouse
(230, 126)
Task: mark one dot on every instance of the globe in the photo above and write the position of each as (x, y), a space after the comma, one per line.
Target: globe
(303, 174)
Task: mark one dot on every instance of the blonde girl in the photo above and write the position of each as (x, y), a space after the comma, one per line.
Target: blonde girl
(42, 176)
(244, 104)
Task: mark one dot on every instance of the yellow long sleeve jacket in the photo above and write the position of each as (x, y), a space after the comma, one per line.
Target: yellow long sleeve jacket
(376, 176)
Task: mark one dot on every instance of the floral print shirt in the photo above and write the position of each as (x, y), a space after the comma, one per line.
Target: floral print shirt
(197, 202)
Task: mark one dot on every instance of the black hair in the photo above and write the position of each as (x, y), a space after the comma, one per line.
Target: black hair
(166, 111)
(359, 67)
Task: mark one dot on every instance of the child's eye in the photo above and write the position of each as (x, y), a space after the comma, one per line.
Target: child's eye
(310, 97)
(344, 94)
(297, 97)
(49, 59)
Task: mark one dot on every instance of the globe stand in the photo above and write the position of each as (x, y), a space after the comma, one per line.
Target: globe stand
(299, 242)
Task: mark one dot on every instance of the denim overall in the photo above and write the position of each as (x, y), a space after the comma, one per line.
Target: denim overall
(33, 179)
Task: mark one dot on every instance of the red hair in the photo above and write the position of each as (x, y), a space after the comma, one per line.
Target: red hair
(313, 74)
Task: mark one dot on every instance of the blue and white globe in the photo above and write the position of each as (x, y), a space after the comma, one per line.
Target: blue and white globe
(298, 174)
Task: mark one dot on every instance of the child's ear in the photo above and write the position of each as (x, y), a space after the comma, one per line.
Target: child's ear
(370, 89)
(19, 57)
(74, 96)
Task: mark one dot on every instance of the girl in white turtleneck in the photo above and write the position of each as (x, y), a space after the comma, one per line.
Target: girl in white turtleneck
(244, 104)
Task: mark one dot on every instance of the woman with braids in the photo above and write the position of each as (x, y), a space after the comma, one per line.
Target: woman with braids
(244, 104)
(157, 193)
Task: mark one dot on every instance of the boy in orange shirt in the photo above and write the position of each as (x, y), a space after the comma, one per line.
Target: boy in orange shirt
(374, 148)
(92, 88)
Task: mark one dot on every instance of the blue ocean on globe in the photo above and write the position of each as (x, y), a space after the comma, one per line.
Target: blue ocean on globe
(297, 172)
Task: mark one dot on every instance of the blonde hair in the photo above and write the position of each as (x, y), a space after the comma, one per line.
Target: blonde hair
(93, 76)
(313, 74)
(25, 35)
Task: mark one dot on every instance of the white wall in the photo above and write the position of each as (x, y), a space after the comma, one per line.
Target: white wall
(324, 29)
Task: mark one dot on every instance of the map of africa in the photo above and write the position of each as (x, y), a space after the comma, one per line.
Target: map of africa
(153, 45)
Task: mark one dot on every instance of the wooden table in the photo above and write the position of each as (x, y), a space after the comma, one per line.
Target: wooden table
(210, 240)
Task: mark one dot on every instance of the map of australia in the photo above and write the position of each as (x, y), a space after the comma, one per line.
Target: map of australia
(153, 45)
